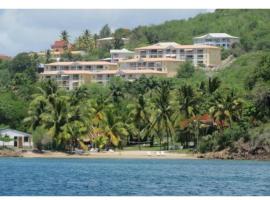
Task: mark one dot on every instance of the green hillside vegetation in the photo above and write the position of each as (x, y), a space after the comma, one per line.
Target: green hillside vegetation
(236, 74)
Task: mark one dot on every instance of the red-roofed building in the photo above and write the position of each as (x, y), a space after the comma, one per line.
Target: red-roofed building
(204, 119)
(61, 46)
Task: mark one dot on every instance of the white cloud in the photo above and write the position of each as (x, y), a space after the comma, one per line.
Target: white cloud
(34, 30)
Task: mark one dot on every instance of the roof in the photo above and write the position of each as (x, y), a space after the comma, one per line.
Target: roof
(59, 44)
(107, 38)
(121, 51)
(166, 45)
(42, 53)
(110, 38)
(216, 35)
(197, 47)
(80, 63)
(12, 132)
(118, 71)
(149, 60)
(204, 119)
(160, 45)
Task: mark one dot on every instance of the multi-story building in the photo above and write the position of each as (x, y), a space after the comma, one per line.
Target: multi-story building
(120, 54)
(204, 55)
(167, 65)
(71, 75)
(216, 39)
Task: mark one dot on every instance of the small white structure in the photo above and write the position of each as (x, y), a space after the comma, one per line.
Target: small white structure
(120, 54)
(216, 39)
(19, 139)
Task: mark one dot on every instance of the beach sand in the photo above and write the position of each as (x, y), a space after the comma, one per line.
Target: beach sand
(117, 154)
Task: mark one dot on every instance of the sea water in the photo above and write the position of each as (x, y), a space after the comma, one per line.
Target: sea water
(42, 176)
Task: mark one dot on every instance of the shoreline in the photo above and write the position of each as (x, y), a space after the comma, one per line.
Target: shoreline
(132, 155)
(113, 155)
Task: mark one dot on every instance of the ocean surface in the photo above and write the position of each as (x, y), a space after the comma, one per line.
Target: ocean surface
(41, 176)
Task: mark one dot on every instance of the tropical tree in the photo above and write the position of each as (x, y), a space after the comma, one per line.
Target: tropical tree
(64, 36)
(226, 109)
(5, 139)
(85, 42)
(73, 132)
(188, 101)
(48, 56)
(186, 70)
(140, 117)
(105, 31)
(164, 110)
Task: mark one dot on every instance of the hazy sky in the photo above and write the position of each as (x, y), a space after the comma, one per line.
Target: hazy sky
(35, 30)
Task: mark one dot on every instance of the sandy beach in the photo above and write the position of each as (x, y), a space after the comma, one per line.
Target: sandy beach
(118, 154)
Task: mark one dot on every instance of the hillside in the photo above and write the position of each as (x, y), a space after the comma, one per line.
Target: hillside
(235, 75)
(252, 26)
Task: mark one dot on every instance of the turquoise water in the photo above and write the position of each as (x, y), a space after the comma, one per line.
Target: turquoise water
(33, 176)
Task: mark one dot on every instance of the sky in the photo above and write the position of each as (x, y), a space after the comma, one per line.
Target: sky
(35, 30)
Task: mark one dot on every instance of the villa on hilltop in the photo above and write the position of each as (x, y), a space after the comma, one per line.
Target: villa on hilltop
(59, 47)
(216, 39)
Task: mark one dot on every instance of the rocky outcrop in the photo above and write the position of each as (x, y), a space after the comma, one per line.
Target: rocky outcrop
(241, 150)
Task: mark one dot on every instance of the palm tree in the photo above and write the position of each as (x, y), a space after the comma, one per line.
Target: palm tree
(72, 132)
(140, 118)
(79, 95)
(36, 108)
(86, 33)
(188, 101)
(55, 118)
(105, 123)
(164, 111)
(213, 84)
(48, 56)
(226, 109)
(64, 36)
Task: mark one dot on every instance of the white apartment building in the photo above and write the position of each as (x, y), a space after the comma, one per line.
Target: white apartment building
(206, 55)
(216, 39)
(120, 54)
(70, 75)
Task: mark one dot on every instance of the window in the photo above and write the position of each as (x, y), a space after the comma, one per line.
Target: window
(75, 76)
(200, 51)
(26, 139)
(99, 67)
(88, 67)
(151, 64)
(99, 77)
